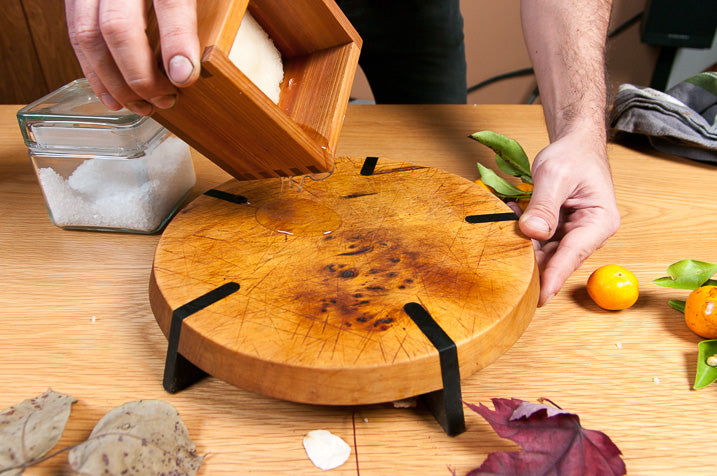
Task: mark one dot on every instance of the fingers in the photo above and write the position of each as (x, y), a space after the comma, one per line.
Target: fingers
(559, 259)
(111, 44)
(540, 220)
(572, 211)
(178, 37)
(86, 39)
(567, 256)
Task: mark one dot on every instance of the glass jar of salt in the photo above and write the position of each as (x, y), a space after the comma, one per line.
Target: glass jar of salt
(101, 169)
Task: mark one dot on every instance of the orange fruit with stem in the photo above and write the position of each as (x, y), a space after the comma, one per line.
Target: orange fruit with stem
(523, 202)
(613, 287)
(701, 312)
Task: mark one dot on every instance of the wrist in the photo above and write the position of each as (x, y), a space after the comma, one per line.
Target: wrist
(588, 120)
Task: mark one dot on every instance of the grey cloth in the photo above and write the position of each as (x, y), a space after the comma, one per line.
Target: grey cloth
(680, 121)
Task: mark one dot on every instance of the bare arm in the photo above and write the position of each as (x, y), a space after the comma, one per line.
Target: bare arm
(573, 210)
(566, 42)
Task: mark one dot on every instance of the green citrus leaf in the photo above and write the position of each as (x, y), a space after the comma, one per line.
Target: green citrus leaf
(506, 166)
(508, 149)
(706, 374)
(510, 170)
(501, 186)
(687, 274)
(677, 305)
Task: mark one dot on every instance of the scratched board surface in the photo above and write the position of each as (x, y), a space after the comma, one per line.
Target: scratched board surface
(321, 277)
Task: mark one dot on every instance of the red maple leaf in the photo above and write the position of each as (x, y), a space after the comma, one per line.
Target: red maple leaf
(553, 441)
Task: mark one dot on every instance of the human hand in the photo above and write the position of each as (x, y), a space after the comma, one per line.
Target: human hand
(572, 211)
(117, 59)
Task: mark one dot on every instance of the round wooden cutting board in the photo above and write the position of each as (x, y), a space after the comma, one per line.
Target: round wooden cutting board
(323, 274)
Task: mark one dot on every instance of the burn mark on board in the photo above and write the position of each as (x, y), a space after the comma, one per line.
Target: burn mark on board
(358, 195)
(365, 249)
(383, 323)
(349, 273)
(364, 286)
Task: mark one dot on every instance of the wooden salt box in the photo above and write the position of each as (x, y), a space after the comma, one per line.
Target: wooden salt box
(229, 120)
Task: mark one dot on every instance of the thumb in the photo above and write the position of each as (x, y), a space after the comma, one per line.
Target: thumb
(540, 219)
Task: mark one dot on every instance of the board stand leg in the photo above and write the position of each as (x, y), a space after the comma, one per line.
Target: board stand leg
(447, 409)
(446, 404)
(180, 373)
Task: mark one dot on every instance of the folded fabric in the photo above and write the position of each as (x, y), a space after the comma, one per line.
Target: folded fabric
(680, 121)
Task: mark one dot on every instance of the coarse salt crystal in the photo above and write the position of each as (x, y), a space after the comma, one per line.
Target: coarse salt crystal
(656, 379)
(326, 450)
(619, 345)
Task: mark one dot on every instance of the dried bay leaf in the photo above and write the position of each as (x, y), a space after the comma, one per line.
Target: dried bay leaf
(142, 437)
(30, 429)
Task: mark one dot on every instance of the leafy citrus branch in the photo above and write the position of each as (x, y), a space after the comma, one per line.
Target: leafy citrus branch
(695, 276)
(512, 160)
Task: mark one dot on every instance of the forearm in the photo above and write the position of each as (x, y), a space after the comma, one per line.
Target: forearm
(566, 43)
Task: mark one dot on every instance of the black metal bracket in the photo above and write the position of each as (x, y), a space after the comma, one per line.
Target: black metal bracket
(445, 404)
(180, 373)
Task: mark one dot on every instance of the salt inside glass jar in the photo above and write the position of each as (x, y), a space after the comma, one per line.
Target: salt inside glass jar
(101, 169)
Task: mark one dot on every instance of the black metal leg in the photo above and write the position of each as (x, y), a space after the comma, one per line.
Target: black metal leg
(179, 373)
(445, 404)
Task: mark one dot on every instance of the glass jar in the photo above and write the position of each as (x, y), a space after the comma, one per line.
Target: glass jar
(101, 169)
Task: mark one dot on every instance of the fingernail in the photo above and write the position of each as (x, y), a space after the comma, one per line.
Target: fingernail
(110, 102)
(537, 224)
(180, 69)
(164, 102)
(140, 107)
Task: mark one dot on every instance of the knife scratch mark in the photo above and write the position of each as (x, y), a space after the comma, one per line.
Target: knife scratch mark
(401, 348)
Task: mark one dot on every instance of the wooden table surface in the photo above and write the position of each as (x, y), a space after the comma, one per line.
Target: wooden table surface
(76, 318)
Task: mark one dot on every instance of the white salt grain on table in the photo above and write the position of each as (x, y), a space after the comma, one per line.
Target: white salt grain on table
(326, 450)
(254, 53)
(134, 194)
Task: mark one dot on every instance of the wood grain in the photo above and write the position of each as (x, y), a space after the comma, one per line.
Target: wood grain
(218, 22)
(601, 365)
(22, 79)
(324, 275)
(46, 20)
(251, 137)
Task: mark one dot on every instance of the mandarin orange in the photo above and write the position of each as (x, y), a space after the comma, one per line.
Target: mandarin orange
(701, 312)
(613, 287)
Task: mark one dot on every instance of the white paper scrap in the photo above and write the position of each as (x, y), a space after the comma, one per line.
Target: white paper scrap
(326, 450)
